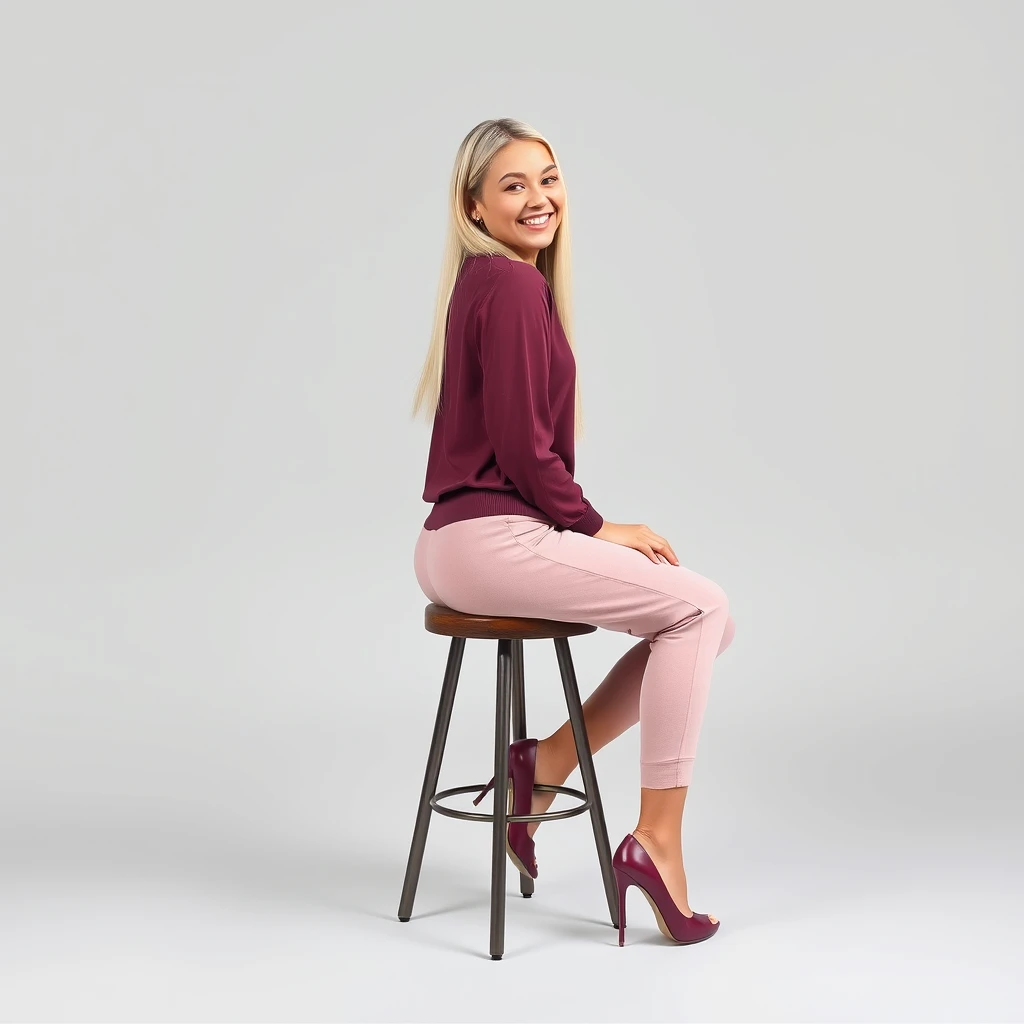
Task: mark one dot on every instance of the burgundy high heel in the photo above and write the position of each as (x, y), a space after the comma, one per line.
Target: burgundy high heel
(522, 770)
(632, 865)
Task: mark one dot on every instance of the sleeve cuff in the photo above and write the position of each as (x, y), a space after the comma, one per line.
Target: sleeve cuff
(589, 523)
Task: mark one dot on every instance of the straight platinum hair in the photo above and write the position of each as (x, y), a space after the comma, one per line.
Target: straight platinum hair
(465, 238)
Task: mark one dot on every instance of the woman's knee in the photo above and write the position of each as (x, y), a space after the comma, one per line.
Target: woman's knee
(711, 600)
(730, 632)
(712, 603)
(717, 600)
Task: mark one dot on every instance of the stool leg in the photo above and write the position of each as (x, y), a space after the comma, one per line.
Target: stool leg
(519, 729)
(518, 692)
(502, 708)
(579, 731)
(441, 722)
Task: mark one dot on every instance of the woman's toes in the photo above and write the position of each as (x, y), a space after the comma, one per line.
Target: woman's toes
(712, 919)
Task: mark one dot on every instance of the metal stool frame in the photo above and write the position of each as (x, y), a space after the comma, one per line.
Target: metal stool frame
(510, 696)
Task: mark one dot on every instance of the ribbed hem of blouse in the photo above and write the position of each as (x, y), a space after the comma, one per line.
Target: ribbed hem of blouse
(475, 502)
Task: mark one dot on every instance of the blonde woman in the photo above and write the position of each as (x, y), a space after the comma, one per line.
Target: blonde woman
(510, 531)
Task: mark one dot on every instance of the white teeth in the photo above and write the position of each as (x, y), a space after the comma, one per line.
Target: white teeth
(537, 220)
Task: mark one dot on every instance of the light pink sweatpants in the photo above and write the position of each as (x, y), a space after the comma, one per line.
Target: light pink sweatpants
(521, 566)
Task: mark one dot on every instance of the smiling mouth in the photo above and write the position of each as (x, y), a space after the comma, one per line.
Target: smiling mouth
(538, 220)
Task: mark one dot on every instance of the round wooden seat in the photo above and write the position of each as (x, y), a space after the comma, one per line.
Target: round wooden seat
(447, 622)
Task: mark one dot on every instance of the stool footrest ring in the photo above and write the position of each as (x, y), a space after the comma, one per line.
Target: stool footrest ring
(585, 804)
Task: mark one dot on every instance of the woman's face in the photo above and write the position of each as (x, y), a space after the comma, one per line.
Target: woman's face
(522, 182)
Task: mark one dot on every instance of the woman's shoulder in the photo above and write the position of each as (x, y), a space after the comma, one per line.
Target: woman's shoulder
(495, 264)
(501, 277)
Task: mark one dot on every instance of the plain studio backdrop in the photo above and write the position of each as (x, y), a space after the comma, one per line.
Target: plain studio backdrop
(798, 264)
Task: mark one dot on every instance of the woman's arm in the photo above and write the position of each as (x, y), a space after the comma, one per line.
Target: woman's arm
(516, 358)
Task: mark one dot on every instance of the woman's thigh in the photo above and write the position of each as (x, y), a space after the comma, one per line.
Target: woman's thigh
(517, 565)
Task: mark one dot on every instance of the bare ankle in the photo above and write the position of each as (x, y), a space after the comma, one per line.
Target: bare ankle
(559, 758)
(657, 840)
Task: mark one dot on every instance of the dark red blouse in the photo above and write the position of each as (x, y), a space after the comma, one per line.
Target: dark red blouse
(503, 436)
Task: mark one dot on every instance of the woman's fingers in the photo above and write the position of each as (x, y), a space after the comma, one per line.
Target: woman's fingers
(649, 552)
(663, 545)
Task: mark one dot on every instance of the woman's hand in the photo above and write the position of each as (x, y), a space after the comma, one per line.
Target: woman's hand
(640, 537)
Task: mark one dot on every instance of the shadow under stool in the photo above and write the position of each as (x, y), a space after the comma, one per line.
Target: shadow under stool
(510, 697)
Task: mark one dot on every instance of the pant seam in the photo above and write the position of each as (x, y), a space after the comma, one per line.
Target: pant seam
(602, 576)
(689, 693)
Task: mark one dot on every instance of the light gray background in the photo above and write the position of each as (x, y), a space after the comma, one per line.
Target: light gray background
(798, 267)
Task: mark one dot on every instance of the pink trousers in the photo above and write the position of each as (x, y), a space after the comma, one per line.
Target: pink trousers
(521, 566)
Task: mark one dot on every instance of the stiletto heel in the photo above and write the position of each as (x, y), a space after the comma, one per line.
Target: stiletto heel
(632, 865)
(522, 772)
(622, 883)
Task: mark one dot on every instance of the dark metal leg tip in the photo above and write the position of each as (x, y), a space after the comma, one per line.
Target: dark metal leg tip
(403, 919)
(527, 895)
(495, 956)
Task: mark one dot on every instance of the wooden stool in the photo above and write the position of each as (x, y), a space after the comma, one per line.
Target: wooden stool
(510, 634)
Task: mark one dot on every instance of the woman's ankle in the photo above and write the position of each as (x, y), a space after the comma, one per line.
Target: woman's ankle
(558, 759)
(656, 839)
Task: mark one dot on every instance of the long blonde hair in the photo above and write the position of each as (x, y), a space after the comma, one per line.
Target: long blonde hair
(465, 238)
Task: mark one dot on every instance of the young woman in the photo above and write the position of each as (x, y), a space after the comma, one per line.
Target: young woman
(510, 531)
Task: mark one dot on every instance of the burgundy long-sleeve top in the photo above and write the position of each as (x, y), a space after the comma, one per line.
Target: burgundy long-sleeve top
(503, 439)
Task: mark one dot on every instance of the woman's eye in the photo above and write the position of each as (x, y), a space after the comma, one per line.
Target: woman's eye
(514, 183)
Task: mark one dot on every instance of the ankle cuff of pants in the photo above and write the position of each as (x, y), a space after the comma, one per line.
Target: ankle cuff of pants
(666, 774)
